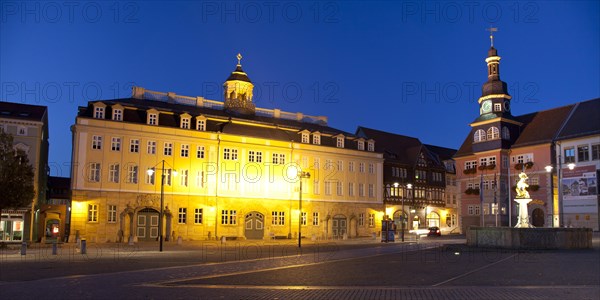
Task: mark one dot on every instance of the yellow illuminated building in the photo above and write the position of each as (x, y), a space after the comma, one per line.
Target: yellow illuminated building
(229, 169)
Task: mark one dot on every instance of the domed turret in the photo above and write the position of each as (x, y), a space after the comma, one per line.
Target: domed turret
(237, 91)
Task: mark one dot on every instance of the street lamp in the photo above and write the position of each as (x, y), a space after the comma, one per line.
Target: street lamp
(402, 217)
(409, 187)
(301, 175)
(549, 169)
(162, 196)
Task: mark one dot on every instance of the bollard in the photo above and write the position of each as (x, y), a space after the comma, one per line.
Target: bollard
(83, 246)
(54, 248)
(179, 240)
(23, 248)
(130, 241)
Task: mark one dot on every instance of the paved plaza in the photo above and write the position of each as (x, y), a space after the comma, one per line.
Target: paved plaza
(430, 268)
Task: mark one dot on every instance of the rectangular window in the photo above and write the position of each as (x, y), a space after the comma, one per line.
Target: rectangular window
(228, 217)
(350, 166)
(151, 147)
(184, 177)
(92, 212)
(99, 112)
(305, 138)
(198, 216)
(278, 218)
(371, 220)
(182, 216)
(316, 139)
(361, 189)
(152, 119)
(200, 179)
(134, 146)
(497, 106)
(316, 187)
(168, 149)
(371, 190)
(185, 150)
(371, 168)
(476, 209)
(327, 187)
(255, 156)
(361, 145)
(185, 123)
(94, 172)
(596, 152)
(361, 219)
(471, 210)
(132, 174)
(570, 155)
(351, 189)
(117, 115)
(97, 142)
(339, 188)
(583, 153)
(361, 167)
(201, 125)
(168, 173)
(328, 164)
(230, 154)
(150, 176)
(116, 144)
(317, 164)
(471, 164)
(112, 214)
(303, 218)
(113, 173)
(340, 165)
(200, 152)
(278, 158)
(370, 146)
(340, 142)
(315, 220)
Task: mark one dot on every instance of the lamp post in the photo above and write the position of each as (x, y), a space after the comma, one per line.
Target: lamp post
(409, 187)
(402, 215)
(162, 197)
(301, 175)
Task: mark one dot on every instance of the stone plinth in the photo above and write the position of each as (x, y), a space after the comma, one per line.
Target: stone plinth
(523, 219)
(530, 238)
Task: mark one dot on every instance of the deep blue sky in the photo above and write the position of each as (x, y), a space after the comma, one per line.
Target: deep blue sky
(405, 67)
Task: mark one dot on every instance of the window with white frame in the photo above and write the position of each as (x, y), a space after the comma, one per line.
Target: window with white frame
(317, 163)
(183, 175)
(361, 219)
(371, 220)
(371, 190)
(115, 144)
(340, 165)
(94, 172)
(493, 133)
(569, 155)
(198, 216)
(201, 124)
(113, 173)
(534, 180)
(371, 168)
(99, 112)
(97, 142)
(305, 138)
(340, 142)
(327, 187)
(92, 212)
(168, 149)
(361, 145)
(278, 159)
(185, 150)
(150, 176)
(523, 158)
(185, 123)
(477, 209)
(303, 218)
(182, 215)
(479, 136)
(351, 189)
(350, 166)
(117, 114)
(361, 167)
(339, 188)
(200, 178)
(470, 164)
(361, 189)
(316, 190)
(471, 210)
(278, 218)
(134, 145)
(305, 162)
(132, 174)
(497, 106)
(255, 156)
(200, 152)
(152, 119)
(151, 149)
(168, 173)
(230, 154)
(583, 152)
(228, 217)
(315, 220)
(595, 151)
(328, 164)
(316, 138)
(371, 146)
(112, 214)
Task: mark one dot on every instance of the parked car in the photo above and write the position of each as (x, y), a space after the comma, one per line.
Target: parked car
(434, 231)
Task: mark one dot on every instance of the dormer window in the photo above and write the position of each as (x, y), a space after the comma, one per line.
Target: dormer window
(98, 112)
(201, 123)
(185, 123)
(479, 136)
(493, 133)
(117, 114)
(340, 142)
(371, 146)
(361, 145)
(305, 138)
(152, 117)
(317, 138)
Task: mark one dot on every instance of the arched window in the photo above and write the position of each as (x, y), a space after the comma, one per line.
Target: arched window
(505, 133)
(479, 136)
(493, 133)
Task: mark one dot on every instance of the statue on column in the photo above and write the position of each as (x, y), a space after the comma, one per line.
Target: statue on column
(523, 199)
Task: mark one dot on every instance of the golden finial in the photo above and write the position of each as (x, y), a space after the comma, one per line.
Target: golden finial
(239, 57)
(492, 30)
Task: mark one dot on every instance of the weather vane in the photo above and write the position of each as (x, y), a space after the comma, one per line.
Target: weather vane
(239, 57)
(492, 30)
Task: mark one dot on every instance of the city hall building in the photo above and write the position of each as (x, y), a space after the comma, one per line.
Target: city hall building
(218, 169)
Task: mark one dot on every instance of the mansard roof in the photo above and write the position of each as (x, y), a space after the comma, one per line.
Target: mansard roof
(20, 111)
(584, 120)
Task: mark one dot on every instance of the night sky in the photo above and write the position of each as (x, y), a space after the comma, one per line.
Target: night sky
(405, 67)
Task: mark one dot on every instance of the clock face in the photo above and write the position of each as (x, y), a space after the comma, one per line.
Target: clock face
(506, 106)
(486, 106)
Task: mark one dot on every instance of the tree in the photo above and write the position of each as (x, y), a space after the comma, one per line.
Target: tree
(16, 176)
